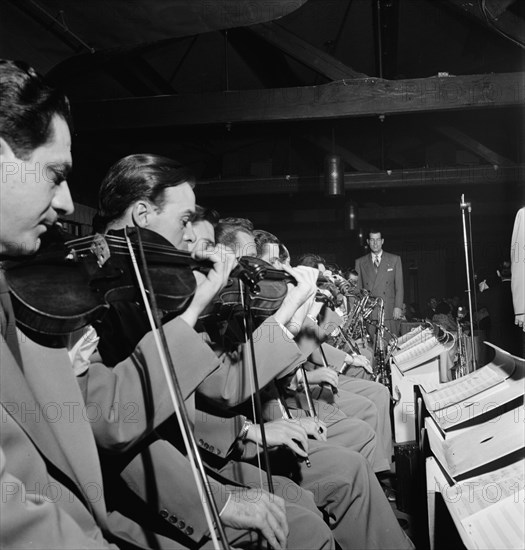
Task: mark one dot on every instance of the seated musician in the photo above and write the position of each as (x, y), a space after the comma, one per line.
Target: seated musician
(153, 192)
(40, 452)
(329, 460)
(348, 465)
(357, 398)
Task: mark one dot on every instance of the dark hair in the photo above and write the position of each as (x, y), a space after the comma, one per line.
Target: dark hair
(245, 223)
(27, 107)
(139, 177)
(505, 269)
(227, 229)
(311, 260)
(203, 214)
(375, 230)
(264, 237)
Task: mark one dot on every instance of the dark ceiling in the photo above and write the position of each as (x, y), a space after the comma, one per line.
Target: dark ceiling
(222, 86)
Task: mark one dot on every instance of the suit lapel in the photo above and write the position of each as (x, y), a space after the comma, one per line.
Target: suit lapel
(54, 383)
(20, 402)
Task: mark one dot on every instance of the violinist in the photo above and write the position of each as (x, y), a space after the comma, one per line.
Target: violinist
(341, 479)
(155, 193)
(358, 399)
(352, 386)
(48, 431)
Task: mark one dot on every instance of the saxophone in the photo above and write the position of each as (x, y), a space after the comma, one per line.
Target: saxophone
(383, 348)
(353, 327)
(460, 367)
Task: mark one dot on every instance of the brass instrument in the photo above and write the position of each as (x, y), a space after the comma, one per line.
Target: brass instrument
(353, 327)
(383, 348)
(460, 367)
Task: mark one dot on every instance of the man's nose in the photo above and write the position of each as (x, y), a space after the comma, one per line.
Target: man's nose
(189, 233)
(62, 201)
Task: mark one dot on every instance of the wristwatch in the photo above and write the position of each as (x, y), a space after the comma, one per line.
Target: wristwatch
(244, 430)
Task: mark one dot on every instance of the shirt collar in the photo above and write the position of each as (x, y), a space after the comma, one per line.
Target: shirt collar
(378, 255)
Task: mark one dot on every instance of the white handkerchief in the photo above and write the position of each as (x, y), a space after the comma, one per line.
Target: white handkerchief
(82, 344)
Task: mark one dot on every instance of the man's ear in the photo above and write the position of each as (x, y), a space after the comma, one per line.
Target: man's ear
(141, 213)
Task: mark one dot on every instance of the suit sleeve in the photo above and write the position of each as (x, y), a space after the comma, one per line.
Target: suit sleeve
(334, 356)
(131, 399)
(276, 354)
(216, 434)
(163, 477)
(400, 294)
(26, 520)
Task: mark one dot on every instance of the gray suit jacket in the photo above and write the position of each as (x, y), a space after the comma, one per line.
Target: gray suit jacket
(50, 428)
(386, 284)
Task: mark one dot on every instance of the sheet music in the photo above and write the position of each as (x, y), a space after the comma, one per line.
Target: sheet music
(456, 414)
(477, 493)
(500, 525)
(403, 340)
(417, 355)
(463, 388)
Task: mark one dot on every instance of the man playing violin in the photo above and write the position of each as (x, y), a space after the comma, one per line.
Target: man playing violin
(213, 433)
(330, 460)
(52, 488)
(364, 399)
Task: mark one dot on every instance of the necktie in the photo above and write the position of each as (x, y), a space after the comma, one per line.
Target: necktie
(376, 263)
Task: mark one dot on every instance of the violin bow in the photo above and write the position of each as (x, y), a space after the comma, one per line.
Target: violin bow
(256, 398)
(209, 505)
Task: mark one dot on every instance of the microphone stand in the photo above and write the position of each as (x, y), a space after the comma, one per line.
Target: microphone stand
(466, 206)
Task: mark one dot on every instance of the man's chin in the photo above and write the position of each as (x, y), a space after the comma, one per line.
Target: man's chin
(25, 248)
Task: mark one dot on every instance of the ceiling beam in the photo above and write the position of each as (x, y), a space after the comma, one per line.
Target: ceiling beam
(475, 146)
(378, 213)
(302, 51)
(350, 158)
(413, 178)
(348, 98)
(495, 17)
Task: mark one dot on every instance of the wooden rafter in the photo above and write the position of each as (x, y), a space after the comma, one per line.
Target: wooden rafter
(412, 178)
(302, 51)
(348, 98)
(475, 146)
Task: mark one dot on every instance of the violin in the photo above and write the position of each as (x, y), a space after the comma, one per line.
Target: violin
(267, 288)
(70, 283)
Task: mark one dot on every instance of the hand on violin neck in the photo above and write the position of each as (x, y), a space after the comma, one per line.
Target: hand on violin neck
(209, 285)
(305, 288)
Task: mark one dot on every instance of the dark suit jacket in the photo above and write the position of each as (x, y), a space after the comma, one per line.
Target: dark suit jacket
(50, 428)
(386, 284)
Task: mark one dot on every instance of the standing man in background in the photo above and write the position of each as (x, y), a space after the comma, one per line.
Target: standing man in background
(381, 273)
